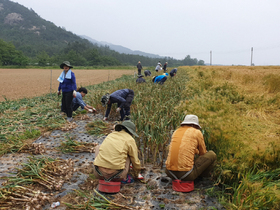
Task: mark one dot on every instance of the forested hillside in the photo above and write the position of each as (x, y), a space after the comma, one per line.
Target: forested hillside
(43, 43)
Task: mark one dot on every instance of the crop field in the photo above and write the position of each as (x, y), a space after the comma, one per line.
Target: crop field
(26, 83)
(239, 112)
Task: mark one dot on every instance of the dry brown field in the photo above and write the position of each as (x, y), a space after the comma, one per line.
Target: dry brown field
(26, 83)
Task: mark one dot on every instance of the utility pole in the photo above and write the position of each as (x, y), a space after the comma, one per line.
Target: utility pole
(252, 56)
(210, 57)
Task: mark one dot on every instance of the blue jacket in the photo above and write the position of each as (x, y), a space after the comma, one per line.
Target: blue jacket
(118, 97)
(68, 85)
(78, 101)
(159, 78)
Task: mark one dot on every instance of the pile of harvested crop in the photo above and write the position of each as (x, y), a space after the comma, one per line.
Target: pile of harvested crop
(18, 197)
(19, 191)
(77, 147)
(34, 149)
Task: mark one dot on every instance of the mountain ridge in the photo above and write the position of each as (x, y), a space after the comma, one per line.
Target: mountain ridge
(120, 48)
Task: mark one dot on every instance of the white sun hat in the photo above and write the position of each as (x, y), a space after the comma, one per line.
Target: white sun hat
(191, 119)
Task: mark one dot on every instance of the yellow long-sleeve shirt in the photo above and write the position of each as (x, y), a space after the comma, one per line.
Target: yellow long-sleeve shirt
(115, 149)
(185, 143)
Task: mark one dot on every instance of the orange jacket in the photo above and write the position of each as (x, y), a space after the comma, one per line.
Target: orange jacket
(185, 143)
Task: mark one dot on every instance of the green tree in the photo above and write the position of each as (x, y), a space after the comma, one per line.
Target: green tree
(43, 59)
(75, 58)
(10, 56)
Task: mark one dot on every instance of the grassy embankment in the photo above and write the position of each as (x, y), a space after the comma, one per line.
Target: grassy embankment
(238, 108)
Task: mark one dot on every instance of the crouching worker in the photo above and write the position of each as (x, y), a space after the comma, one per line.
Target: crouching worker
(123, 98)
(186, 142)
(173, 72)
(78, 101)
(140, 79)
(160, 78)
(147, 73)
(114, 156)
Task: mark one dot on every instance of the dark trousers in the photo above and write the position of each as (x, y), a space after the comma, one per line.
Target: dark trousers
(163, 80)
(66, 107)
(125, 111)
(139, 71)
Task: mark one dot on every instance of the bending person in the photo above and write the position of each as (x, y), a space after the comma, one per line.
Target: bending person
(147, 73)
(160, 78)
(123, 98)
(140, 79)
(78, 101)
(186, 142)
(173, 72)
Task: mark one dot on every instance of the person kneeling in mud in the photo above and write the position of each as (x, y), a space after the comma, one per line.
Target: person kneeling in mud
(123, 98)
(78, 101)
(114, 156)
(187, 141)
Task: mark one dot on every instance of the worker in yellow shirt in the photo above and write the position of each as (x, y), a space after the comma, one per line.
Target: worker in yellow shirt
(187, 141)
(114, 156)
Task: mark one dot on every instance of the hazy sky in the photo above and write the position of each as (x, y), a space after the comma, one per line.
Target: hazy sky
(175, 28)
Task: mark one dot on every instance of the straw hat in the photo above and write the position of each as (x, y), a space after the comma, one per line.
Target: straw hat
(191, 119)
(129, 125)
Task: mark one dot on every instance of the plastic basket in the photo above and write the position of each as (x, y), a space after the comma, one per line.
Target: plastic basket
(182, 186)
(109, 187)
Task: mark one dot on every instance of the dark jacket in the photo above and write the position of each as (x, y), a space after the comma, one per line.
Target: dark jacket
(68, 85)
(173, 71)
(140, 80)
(139, 66)
(164, 67)
(147, 73)
(118, 97)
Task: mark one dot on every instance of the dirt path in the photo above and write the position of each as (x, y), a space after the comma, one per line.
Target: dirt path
(26, 83)
(155, 193)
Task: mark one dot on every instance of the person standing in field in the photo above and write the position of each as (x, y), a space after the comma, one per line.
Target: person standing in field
(78, 101)
(139, 67)
(173, 72)
(114, 155)
(123, 98)
(67, 83)
(147, 73)
(160, 79)
(187, 142)
(165, 66)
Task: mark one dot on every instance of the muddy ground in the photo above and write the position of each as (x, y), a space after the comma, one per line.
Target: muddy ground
(155, 192)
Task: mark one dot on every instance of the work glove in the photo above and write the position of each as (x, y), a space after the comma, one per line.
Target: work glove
(58, 93)
(74, 93)
(118, 109)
